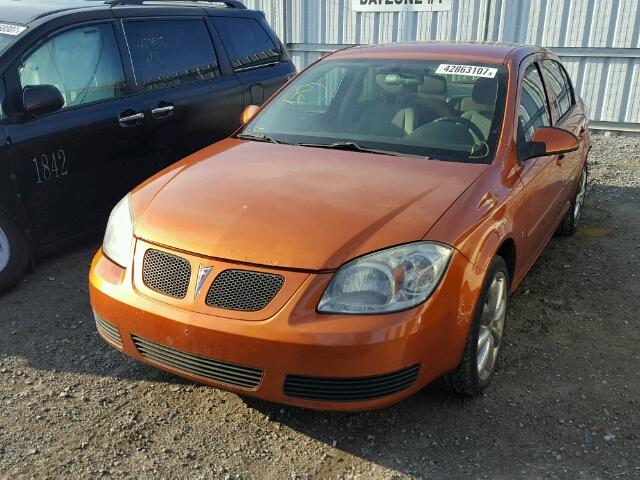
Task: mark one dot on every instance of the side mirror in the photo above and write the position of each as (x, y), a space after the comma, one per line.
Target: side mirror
(41, 99)
(248, 113)
(550, 141)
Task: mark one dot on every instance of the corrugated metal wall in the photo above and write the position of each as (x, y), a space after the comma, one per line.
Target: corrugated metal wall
(598, 40)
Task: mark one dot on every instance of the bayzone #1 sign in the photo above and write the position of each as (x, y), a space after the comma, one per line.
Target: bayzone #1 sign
(401, 5)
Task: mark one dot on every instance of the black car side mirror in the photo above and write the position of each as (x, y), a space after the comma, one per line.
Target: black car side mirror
(41, 99)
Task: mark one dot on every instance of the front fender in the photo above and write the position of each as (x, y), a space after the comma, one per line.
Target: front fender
(484, 217)
(11, 203)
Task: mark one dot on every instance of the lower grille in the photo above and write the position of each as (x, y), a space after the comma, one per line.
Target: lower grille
(166, 273)
(108, 331)
(243, 290)
(215, 370)
(350, 389)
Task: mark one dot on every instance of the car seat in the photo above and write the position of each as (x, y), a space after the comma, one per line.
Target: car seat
(389, 114)
(480, 107)
(430, 101)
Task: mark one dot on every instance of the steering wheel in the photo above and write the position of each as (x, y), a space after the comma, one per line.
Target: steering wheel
(472, 127)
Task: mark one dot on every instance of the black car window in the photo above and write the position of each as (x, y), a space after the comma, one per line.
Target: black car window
(83, 63)
(557, 82)
(248, 44)
(169, 53)
(533, 111)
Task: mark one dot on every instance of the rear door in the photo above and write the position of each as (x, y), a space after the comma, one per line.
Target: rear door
(190, 100)
(543, 177)
(257, 57)
(73, 165)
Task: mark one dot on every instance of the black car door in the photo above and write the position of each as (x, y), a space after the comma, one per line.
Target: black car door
(74, 164)
(257, 56)
(9, 204)
(190, 98)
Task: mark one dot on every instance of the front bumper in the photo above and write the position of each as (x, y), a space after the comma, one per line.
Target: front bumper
(296, 356)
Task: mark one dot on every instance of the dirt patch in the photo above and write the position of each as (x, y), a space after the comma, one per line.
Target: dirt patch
(564, 404)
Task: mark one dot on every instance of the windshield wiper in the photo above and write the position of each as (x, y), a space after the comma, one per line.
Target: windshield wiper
(261, 137)
(354, 147)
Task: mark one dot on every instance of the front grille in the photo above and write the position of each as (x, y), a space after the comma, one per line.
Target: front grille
(350, 389)
(166, 273)
(243, 290)
(215, 370)
(109, 332)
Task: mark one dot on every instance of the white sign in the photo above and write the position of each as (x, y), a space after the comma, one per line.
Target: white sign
(466, 70)
(401, 5)
(8, 29)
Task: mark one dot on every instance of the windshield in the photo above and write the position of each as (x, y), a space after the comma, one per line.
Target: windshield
(430, 109)
(5, 41)
(8, 34)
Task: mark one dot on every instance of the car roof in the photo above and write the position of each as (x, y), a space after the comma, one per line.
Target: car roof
(482, 52)
(27, 11)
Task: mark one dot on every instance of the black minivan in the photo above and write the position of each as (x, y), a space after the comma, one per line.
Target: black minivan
(96, 96)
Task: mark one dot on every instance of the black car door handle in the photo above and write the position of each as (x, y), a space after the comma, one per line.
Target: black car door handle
(126, 120)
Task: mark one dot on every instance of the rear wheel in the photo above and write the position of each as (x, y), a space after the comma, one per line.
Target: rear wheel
(484, 342)
(14, 253)
(570, 221)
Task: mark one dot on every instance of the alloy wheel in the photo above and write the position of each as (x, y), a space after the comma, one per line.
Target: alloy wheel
(492, 326)
(577, 208)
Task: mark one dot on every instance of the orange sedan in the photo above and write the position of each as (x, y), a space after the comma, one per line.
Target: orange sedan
(359, 236)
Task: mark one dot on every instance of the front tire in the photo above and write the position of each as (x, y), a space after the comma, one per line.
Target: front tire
(484, 341)
(14, 253)
(570, 221)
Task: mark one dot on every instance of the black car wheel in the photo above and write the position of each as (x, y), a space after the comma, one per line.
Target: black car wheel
(570, 221)
(14, 253)
(484, 342)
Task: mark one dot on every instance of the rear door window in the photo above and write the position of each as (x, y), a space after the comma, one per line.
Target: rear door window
(247, 43)
(170, 53)
(534, 108)
(83, 63)
(559, 86)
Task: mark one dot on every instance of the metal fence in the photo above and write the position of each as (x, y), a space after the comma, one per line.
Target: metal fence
(598, 40)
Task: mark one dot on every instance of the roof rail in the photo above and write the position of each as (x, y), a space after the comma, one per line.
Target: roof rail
(228, 3)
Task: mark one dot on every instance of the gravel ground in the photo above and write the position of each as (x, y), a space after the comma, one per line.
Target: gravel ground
(564, 404)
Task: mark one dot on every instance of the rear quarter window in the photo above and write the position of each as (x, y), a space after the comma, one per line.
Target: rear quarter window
(248, 44)
(169, 53)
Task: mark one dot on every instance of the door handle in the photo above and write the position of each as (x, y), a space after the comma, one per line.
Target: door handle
(163, 111)
(129, 120)
(581, 133)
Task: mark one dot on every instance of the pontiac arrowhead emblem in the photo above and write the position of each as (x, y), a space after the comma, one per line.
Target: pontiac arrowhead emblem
(203, 274)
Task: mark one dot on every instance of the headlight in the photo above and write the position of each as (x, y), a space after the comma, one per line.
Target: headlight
(119, 234)
(388, 281)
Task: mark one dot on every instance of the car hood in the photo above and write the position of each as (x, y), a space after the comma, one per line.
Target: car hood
(295, 207)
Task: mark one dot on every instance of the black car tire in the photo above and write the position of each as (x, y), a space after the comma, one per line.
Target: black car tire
(570, 221)
(16, 248)
(467, 378)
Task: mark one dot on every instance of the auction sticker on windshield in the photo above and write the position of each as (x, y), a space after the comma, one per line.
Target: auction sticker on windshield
(467, 70)
(8, 29)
